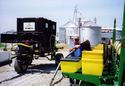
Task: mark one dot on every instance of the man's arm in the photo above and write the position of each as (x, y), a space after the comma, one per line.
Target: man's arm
(75, 47)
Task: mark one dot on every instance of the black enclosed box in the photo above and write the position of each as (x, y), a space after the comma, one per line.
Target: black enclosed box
(37, 25)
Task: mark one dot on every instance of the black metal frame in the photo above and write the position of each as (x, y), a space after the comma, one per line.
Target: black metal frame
(43, 36)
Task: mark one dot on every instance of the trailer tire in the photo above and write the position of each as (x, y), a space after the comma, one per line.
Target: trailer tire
(53, 55)
(20, 68)
(29, 60)
(58, 58)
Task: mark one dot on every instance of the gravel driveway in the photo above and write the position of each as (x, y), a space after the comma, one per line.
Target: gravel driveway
(39, 73)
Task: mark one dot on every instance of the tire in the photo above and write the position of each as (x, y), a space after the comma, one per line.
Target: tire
(20, 67)
(52, 55)
(29, 60)
(57, 58)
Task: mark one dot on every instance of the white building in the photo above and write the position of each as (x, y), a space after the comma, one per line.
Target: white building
(107, 33)
(88, 31)
(70, 29)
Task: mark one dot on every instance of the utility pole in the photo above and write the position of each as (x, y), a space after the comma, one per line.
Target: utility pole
(79, 28)
(75, 14)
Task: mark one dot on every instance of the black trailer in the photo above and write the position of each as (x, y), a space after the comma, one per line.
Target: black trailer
(34, 36)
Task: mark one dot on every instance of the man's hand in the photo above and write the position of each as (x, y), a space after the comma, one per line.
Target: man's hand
(75, 47)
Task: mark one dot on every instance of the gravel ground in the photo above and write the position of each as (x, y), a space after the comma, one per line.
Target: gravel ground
(39, 73)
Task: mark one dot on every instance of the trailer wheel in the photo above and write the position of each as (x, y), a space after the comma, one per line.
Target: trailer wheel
(20, 67)
(57, 58)
(52, 55)
(29, 60)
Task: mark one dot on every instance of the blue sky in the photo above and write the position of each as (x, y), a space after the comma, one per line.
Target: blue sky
(60, 11)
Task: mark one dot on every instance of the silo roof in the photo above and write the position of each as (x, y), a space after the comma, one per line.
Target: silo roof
(89, 24)
(70, 24)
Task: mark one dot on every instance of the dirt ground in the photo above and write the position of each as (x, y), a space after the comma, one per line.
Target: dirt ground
(39, 73)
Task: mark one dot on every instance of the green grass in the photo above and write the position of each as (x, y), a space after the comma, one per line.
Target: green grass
(1, 45)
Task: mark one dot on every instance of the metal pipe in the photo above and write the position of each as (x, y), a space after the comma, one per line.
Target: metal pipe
(114, 31)
(57, 69)
(122, 59)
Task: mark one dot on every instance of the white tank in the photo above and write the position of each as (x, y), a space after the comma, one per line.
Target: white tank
(91, 33)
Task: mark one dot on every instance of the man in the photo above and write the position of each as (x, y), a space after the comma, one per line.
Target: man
(79, 48)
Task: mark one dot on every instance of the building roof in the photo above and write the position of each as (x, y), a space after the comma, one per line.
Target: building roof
(111, 28)
(70, 24)
(89, 24)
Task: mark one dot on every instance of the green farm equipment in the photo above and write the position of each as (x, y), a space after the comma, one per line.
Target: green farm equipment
(104, 65)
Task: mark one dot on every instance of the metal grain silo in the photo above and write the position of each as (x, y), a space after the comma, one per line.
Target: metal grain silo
(90, 31)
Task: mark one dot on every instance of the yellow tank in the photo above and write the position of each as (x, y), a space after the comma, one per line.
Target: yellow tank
(70, 66)
(92, 66)
(94, 54)
(92, 61)
(98, 47)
